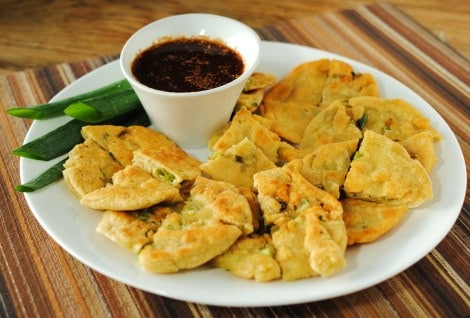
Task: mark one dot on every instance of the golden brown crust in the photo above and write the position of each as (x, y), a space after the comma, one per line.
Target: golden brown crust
(286, 193)
(291, 254)
(250, 100)
(367, 221)
(309, 232)
(244, 125)
(343, 84)
(335, 123)
(212, 219)
(132, 189)
(173, 249)
(251, 257)
(326, 167)
(132, 230)
(384, 172)
(238, 164)
(169, 164)
(394, 118)
(254, 90)
(293, 101)
(252, 199)
(305, 247)
(121, 141)
(421, 147)
(88, 168)
(223, 201)
(259, 80)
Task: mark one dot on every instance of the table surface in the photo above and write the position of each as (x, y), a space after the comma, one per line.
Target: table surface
(422, 44)
(38, 33)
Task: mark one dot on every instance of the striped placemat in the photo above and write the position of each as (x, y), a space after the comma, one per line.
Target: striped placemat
(40, 279)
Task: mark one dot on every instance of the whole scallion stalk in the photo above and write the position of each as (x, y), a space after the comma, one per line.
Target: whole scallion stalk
(56, 108)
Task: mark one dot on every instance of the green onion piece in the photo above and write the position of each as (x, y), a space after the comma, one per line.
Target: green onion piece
(53, 144)
(303, 205)
(215, 155)
(268, 251)
(357, 155)
(80, 109)
(361, 123)
(164, 175)
(53, 109)
(49, 176)
(105, 107)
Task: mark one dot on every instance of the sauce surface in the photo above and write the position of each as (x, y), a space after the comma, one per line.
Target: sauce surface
(187, 65)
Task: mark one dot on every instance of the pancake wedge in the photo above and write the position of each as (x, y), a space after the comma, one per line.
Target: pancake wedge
(245, 125)
(335, 123)
(284, 193)
(254, 90)
(132, 189)
(293, 101)
(121, 141)
(326, 167)
(168, 164)
(177, 247)
(367, 221)
(421, 147)
(250, 100)
(251, 257)
(394, 118)
(343, 83)
(384, 172)
(238, 164)
(259, 80)
(308, 233)
(132, 230)
(221, 201)
(88, 168)
(305, 248)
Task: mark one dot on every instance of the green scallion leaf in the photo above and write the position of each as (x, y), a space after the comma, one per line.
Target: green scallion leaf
(53, 144)
(56, 108)
(105, 107)
(361, 123)
(49, 176)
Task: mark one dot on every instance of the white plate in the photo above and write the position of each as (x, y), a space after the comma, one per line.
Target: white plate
(73, 226)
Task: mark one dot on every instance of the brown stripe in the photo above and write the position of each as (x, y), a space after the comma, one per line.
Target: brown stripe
(436, 56)
(448, 284)
(430, 289)
(270, 33)
(424, 40)
(6, 303)
(82, 295)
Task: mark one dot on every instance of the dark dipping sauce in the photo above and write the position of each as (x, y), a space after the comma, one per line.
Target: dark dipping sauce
(187, 65)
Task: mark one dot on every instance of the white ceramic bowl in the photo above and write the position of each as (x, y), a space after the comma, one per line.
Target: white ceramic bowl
(191, 118)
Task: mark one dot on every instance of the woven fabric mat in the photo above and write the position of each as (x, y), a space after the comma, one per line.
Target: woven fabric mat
(39, 279)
